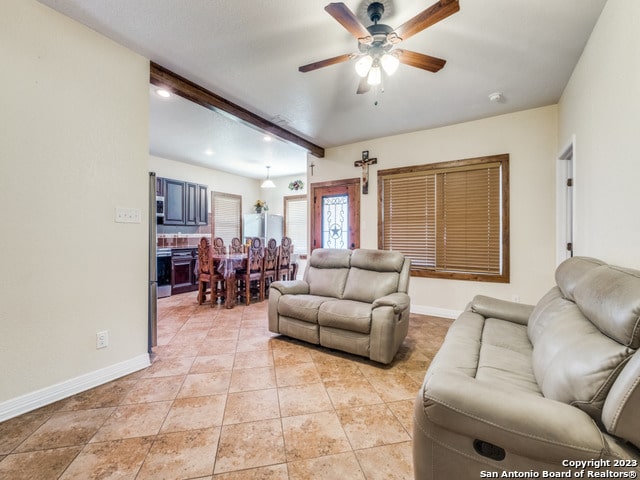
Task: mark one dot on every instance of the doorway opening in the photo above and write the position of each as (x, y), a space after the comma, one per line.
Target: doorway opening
(564, 202)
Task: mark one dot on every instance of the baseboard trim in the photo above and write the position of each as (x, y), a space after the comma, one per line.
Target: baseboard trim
(435, 311)
(30, 401)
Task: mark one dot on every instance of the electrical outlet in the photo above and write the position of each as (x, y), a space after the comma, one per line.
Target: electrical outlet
(128, 215)
(102, 339)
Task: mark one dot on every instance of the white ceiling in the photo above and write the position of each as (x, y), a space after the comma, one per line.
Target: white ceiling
(248, 51)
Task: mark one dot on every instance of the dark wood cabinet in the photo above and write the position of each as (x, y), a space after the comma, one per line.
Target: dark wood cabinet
(203, 205)
(183, 270)
(185, 202)
(175, 212)
(159, 186)
(192, 203)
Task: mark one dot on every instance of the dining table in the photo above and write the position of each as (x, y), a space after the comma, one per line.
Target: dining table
(226, 264)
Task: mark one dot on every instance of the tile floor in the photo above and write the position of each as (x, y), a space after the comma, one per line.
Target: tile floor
(225, 399)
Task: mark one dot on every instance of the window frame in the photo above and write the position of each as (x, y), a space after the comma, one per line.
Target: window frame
(455, 166)
(238, 198)
(294, 198)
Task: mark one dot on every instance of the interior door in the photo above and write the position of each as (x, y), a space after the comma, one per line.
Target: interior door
(335, 214)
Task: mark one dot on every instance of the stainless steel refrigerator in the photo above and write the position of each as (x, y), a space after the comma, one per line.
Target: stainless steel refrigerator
(153, 271)
(263, 225)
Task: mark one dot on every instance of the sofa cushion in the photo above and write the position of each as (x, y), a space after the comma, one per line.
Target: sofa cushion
(327, 282)
(573, 361)
(367, 285)
(505, 357)
(330, 258)
(302, 307)
(608, 296)
(569, 273)
(346, 315)
(377, 260)
(327, 271)
(493, 351)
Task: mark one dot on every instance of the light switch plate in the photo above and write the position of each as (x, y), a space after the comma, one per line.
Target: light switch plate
(128, 215)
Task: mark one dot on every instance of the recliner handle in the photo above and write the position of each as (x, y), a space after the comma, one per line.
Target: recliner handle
(489, 450)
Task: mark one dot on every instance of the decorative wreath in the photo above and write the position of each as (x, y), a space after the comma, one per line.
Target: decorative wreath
(296, 185)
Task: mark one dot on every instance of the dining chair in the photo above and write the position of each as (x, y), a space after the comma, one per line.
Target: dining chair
(270, 269)
(218, 246)
(251, 274)
(236, 246)
(209, 280)
(284, 259)
(204, 275)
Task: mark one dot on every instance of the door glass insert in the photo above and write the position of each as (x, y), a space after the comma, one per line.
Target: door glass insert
(335, 221)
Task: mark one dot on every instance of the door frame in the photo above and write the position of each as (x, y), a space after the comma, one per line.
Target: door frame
(565, 200)
(354, 210)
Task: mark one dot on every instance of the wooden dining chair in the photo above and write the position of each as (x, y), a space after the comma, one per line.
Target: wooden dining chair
(284, 259)
(270, 269)
(209, 280)
(204, 275)
(208, 273)
(218, 246)
(236, 246)
(251, 275)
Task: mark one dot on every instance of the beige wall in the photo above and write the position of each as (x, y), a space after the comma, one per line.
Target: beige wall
(275, 196)
(601, 107)
(73, 146)
(530, 139)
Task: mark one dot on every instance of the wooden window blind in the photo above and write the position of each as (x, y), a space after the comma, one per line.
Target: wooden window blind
(450, 218)
(295, 222)
(227, 216)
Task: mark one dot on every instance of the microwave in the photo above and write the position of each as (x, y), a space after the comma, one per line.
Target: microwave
(160, 209)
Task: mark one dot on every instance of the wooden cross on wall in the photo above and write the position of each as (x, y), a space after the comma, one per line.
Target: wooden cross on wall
(364, 163)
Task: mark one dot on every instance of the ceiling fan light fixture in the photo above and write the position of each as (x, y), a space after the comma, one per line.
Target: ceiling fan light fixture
(390, 62)
(364, 65)
(375, 76)
(268, 183)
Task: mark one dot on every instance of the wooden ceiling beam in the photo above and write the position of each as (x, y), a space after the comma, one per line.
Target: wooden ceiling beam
(163, 77)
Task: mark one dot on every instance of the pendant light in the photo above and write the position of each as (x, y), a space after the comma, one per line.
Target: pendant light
(268, 183)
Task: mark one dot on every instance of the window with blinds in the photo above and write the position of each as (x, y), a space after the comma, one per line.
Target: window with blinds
(451, 218)
(295, 222)
(227, 216)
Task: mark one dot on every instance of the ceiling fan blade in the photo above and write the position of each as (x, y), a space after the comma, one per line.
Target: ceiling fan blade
(363, 86)
(347, 19)
(325, 63)
(436, 12)
(420, 60)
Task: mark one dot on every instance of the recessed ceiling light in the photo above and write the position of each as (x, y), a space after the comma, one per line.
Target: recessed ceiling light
(266, 138)
(163, 92)
(208, 152)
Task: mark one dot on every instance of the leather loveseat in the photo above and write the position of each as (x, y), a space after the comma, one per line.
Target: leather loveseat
(354, 301)
(542, 391)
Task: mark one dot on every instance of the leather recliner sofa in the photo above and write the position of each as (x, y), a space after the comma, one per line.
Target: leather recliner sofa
(547, 389)
(354, 301)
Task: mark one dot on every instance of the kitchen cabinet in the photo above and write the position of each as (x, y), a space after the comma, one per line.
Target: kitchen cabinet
(185, 203)
(175, 212)
(183, 270)
(203, 205)
(159, 187)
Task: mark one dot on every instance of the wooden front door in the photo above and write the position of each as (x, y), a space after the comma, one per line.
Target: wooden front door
(335, 214)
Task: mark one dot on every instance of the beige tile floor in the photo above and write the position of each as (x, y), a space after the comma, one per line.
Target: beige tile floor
(226, 399)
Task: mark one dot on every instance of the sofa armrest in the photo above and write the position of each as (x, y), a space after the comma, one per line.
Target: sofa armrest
(291, 287)
(520, 422)
(398, 301)
(495, 308)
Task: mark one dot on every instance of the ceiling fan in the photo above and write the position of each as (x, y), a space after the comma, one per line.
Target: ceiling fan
(377, 42)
